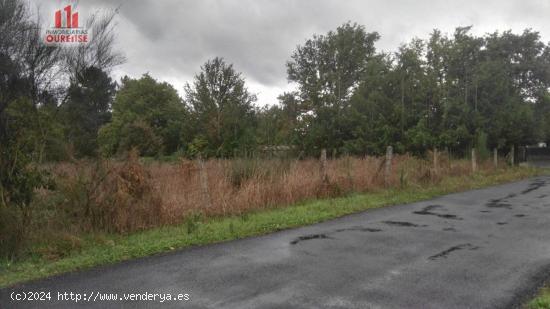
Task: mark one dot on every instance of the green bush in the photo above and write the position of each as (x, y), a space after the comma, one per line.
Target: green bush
(19, 176)
(141, 136)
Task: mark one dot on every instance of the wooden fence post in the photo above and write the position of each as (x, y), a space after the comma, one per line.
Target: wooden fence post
(204, 183)
(324, 168)
(512, 155)
(495, 157)
(387, 172)
(474, 160)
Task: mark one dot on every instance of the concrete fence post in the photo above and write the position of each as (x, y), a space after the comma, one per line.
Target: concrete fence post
(387, 171)
(436, 163)
(324, 167)
(512, 155)
(495, 157)
(474, 160)
(204, 183)
(448, 152)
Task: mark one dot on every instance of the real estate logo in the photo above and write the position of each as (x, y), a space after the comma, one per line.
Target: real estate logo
(66, 29)
(67, 20)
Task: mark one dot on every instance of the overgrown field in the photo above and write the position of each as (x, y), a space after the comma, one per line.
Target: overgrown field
(125, 196)
(95, 211)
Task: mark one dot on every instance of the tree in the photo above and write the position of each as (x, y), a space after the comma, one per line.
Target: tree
(32, 79)
(87, 101)
(437, 55)
(375, 109)
(26, 66)
(87, 109)
(222, 109)
(147, 106)
(513, 80)
(31, 69)
(328, 69)
(99, 53)
(415, 105)
(278, 124)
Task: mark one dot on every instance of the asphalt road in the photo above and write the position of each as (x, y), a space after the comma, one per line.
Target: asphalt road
(485, 248)
(539, 163)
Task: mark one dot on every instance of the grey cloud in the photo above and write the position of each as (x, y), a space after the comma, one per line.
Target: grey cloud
(171, 38)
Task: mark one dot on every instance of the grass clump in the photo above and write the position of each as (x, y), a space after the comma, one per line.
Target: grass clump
(542, 301)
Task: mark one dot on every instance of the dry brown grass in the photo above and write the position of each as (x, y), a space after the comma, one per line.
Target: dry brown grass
(92, 198)
(127, 196)
(106, 196)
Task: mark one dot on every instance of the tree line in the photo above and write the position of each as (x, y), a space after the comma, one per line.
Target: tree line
(454, 91)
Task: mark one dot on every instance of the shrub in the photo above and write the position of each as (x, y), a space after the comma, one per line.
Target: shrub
(13, 234)
(141, 136)
(18, 176)
(112, 197)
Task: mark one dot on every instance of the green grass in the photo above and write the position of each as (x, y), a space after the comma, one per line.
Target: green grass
(542, 301)
(108, 248)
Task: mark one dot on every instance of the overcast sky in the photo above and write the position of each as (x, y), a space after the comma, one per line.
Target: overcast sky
(170, 39)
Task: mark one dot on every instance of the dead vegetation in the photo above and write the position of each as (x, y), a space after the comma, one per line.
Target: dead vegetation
(129, 195)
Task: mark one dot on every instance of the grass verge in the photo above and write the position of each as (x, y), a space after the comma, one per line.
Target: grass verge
(542, 301)
(100, 249)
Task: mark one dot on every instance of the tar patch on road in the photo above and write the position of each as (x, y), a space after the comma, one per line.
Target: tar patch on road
(325, 236)
(499, 203)
(402, 223)
(535, 185)
(449, 229)
(445, 253)
(309, 237)
(359, 229)
(428, 210)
